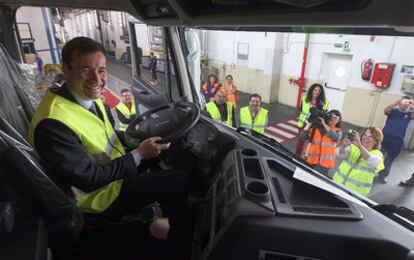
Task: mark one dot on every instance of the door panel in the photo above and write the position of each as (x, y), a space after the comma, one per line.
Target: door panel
(335, 74)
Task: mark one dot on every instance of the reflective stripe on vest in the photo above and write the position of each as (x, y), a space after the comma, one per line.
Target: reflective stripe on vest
(259, 122)
(213, 89)
(356, 174)
(126, 112)
(321, 150)
(231, 93)
(97, 137)
(214, 112)
(304, 114)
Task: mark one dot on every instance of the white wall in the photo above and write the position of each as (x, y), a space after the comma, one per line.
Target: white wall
(222, 47)
(34, 16)
(380, 50)
(141, 31)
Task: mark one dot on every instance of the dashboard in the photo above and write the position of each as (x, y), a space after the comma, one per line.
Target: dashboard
(255, 209)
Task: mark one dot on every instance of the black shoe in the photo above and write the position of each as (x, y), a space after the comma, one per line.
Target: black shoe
(382, 180)
(407, 183)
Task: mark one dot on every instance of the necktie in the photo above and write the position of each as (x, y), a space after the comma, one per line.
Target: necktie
(92, 109)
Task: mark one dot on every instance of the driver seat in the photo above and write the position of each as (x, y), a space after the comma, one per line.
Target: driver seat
(36, 193)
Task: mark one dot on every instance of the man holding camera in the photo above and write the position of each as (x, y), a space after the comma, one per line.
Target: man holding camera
(398, 115)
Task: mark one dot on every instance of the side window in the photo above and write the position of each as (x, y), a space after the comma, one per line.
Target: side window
(154, 63)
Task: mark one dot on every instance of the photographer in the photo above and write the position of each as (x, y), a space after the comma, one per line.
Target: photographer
(363, 160)
(399, 114)
(323, 135)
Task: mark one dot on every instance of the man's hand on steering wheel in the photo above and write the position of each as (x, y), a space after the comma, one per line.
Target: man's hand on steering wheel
(149, 148)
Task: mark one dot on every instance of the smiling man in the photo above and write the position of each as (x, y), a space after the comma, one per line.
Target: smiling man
(220, 110)
(254, 116)
(73, 135)
(126, 109)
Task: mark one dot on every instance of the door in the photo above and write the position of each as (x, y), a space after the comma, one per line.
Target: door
(335, 75)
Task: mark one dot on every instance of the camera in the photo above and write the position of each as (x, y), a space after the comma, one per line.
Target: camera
(350, 135)
(316, 113)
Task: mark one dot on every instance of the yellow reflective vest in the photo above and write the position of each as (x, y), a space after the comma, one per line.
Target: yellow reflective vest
(97, 136)
(259, 122)
(357, 175)
(304, 115)
(126, 112)
(214, 112)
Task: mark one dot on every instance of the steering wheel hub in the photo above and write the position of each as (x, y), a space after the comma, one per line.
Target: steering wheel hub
(170, 122)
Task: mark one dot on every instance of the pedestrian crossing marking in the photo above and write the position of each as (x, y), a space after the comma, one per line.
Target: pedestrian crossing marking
(280, 132)
(273, 137)
(288, 127)
(293, 122)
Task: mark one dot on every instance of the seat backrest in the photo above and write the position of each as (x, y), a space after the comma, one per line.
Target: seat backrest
(8, 129)
(39, 192)
(18, 98)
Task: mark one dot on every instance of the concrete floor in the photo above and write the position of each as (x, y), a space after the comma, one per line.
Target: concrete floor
(123, 73)
(402, 167)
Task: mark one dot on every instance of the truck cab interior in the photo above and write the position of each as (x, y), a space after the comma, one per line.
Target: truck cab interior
(252, 201)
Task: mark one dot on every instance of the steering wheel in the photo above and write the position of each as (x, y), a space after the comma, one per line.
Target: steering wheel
(170, 121)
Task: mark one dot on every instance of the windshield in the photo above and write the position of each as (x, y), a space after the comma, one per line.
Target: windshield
(341, 102)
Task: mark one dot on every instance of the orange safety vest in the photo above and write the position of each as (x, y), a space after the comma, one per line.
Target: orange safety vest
(213, 89)
(321, 149)
(231, 93)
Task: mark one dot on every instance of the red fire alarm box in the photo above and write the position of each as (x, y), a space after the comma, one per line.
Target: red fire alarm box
(382, 75)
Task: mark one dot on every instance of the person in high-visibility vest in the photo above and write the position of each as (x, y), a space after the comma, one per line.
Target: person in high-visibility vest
(231, 90)
(322, 136)
(210, 88)
(363, 159)
(72, 134)
(220, 110)
(126, 109)
(254, 116)
(315, 97)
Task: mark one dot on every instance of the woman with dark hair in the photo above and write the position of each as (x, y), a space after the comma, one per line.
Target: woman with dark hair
(315, 97)
(363, 160)
(210, 88)
(322, 137)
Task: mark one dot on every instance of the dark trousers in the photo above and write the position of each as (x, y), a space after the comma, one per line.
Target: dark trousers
(168, 187)
(322, 170)
(391, 147)
(300, 143)
(154, 74)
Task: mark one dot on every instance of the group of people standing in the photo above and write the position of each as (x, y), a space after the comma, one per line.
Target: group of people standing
(222, 103)
(366, 157)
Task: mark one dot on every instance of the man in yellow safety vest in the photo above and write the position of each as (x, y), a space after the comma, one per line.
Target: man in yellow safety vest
(220, 110)
(72, 134)
(126, 109)
(254, 116)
